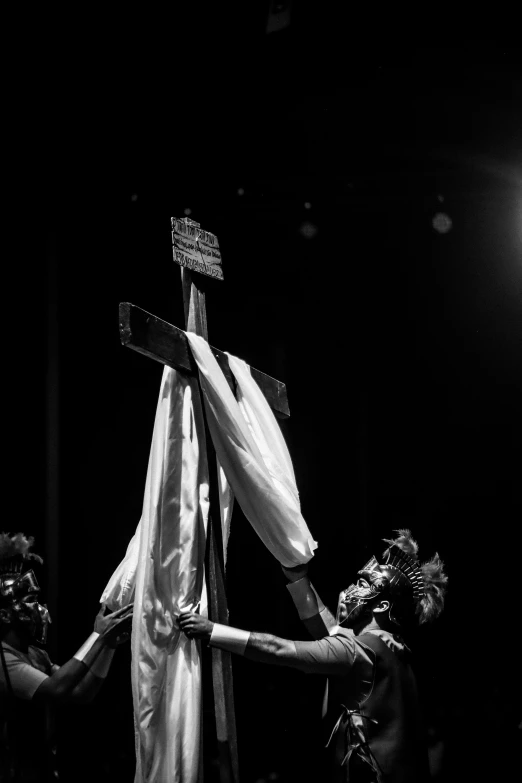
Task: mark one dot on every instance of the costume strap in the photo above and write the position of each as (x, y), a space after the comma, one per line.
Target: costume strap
(357, 742)
(86, 646)
(232, 639)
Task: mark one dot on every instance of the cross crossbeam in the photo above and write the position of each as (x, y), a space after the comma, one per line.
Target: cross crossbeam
(149, 335)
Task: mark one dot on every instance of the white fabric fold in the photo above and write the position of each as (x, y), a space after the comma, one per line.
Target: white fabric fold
(163, 573)
(252, 451)
(226, 507)
(119, 591)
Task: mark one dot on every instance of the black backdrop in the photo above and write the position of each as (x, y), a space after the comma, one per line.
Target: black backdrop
(400, 346)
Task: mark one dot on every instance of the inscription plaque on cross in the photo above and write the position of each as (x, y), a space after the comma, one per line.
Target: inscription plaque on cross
(198, 254)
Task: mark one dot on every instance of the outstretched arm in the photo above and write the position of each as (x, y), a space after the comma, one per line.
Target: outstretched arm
(266, 648)
(262, 647)
(330, 655)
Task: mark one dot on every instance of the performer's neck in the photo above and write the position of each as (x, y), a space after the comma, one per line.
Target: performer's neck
(15, 640)
(365, 627)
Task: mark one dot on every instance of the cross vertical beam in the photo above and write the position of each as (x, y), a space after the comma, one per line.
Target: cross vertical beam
(222, 682)
(198, 254)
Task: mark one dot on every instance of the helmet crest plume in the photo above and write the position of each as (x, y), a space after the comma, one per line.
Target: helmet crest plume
(429, 601)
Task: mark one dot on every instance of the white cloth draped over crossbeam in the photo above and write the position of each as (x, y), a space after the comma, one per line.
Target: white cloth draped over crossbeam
(163, 569)
(251, 448)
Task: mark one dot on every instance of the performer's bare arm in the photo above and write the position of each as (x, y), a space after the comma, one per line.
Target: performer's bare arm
(330, 655)
(266, 648)
(79, 680)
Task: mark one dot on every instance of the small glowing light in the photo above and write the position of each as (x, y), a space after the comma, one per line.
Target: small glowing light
(134, 197)
(308, 230)
(187, 211)
(442, 223)
(307, 205)
(241, 191)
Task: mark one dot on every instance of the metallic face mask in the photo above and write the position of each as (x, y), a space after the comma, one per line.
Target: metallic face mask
(357, 596)
(35, 617)
(22, 590)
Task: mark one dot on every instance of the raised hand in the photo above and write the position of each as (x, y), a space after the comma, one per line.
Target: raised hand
(115, 627)
(195, 626)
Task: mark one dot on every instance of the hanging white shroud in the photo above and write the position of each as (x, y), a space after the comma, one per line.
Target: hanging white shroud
(163, 572)
(163, 569)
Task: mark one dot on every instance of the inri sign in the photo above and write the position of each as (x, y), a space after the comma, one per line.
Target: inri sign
(196, 249)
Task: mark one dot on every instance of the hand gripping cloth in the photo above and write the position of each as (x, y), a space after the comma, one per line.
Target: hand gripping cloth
(253, 454)
(163, 574)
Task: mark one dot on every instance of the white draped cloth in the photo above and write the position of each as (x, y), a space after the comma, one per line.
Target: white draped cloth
(251, 448)
(163, 570)
(163, 574)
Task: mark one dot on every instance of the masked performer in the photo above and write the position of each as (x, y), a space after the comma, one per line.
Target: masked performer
(372, 713)
(29, 681)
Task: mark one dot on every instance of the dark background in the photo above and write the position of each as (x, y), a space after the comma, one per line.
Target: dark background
(400, 346)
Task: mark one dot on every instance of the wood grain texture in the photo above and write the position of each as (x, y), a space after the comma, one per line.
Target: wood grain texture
(194, 304)
(165, 343)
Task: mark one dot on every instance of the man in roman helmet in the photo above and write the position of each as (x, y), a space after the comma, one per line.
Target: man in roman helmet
(372, 713)
(29, 681)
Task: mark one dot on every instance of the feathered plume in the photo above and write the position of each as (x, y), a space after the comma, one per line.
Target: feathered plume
(429, 606)
(17, 546)
(404, 542)
(436, 584)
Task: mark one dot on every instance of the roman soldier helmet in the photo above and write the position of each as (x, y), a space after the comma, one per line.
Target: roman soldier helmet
(19, 587)
(415, 591)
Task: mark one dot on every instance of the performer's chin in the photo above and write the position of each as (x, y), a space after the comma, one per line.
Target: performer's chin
(351, 616)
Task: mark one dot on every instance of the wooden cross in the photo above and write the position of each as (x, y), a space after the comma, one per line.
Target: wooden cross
(197, 252)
